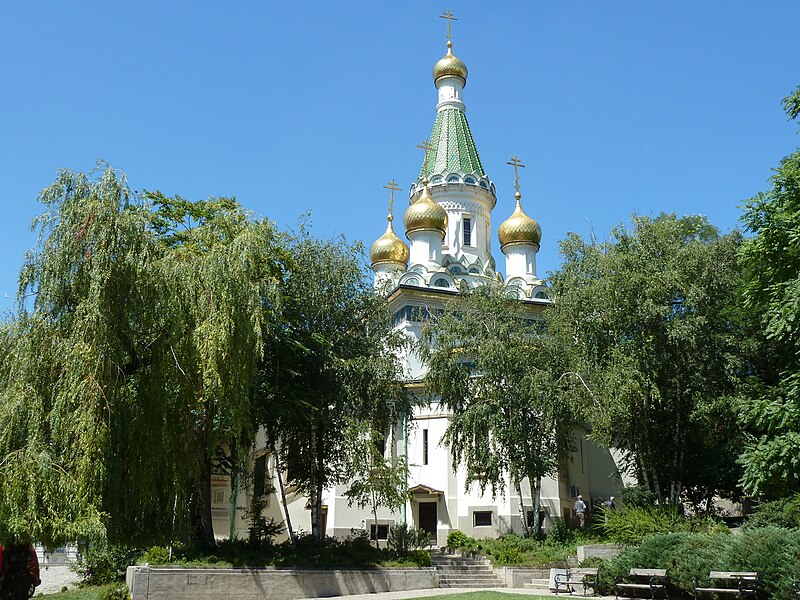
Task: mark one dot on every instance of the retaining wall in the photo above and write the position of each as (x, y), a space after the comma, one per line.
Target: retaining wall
(172, 583)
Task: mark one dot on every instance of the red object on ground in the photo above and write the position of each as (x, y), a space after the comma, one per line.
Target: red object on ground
(19, 572)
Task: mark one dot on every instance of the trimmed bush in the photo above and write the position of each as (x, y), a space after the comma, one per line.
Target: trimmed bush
(773, 552)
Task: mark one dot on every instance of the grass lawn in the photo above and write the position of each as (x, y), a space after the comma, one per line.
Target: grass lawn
(87, 593)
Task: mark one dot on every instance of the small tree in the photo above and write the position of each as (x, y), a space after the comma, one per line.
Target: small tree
(491, 363)
(378, 481)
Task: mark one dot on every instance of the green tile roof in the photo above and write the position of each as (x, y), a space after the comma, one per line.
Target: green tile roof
(453, 147)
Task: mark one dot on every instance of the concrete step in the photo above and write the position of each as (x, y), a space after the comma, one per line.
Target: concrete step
(473, 584)
(538, 584)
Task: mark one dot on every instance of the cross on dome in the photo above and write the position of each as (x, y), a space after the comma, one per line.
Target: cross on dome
(450, 17)
(514, 162)
(393, 187)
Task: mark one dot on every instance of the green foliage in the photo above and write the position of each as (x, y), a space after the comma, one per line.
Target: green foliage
(331, 370)
(511, 549)
(686, 556)
(783, 513)
(771, 259)
(404, 538)
(459, 539)
(100, 563)
(490, 364)
(629, 525)
(355, 551)
(559, 533)
(118, 592)
(637, 496)
(130, 361)
(657, 345)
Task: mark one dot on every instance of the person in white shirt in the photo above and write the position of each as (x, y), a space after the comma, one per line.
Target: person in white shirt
(580, 511)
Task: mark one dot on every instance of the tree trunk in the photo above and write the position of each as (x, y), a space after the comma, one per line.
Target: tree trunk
(375, 516)
(288, 519)
(525, 531)
(204, 525)
(536, 496)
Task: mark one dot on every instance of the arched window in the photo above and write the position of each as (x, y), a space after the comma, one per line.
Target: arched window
(441, 282)
(484, 185)
(541, 295)
(453, 179)
(469, 180)
(436, 180)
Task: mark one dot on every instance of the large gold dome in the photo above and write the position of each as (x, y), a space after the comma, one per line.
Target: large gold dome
(389, 248)
(450, 65)
(519, 228)
(425, 215)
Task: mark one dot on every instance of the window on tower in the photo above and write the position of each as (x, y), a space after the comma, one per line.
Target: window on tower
(467, 231)
(424, 446)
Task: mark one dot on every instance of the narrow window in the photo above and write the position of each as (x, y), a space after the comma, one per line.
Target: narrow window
(260, 476)
(424, 446)
(482, 518)
(467, 231)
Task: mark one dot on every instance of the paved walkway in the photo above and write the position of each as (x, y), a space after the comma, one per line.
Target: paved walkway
(55, 577)
(447, 591)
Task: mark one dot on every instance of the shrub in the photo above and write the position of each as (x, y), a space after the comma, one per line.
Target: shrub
(403, 538)
(459, 539)
(779, 513)
(559, 532)
(420, 557)
(115, 592)
(772, 552)
(630, 525)
(637, 496)
(100, 563)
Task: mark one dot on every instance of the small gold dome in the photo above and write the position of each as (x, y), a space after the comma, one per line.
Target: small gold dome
(389, 248)
(450, 65)
(425, 215)
(519, 228)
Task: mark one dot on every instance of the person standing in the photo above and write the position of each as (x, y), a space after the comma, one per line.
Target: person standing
(580, 512)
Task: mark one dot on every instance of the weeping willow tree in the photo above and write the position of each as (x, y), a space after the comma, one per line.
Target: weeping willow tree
(130, 361)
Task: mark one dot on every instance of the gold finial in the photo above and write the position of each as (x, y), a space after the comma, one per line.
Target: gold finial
(393, 187)
(426, 147)
(514, 162)
(450, 17)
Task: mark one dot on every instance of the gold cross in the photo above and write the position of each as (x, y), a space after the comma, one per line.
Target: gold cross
(392, 185)
(514, 162)
(450, 17)
(426, 146)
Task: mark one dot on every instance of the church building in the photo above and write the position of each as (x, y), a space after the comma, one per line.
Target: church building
(448, 227)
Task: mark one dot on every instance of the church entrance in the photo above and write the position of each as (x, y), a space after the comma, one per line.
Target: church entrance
(428, 519)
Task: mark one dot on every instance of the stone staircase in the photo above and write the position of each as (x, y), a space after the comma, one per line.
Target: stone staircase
(457, 571)
(540, 581)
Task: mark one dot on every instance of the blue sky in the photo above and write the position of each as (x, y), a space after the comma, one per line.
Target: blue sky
(615, 107)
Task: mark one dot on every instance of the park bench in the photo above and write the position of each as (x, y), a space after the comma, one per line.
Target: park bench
(567, 582)
(643, 580)
(740, 583)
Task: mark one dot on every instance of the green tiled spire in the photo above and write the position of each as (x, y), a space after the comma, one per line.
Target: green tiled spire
(453, 147)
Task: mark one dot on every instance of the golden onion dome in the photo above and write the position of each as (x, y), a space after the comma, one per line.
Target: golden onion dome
(450, 65)
(389, 248)
(425, 215)
(519, 228)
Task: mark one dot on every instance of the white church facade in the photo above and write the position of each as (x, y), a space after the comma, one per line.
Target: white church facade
(448, 227)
